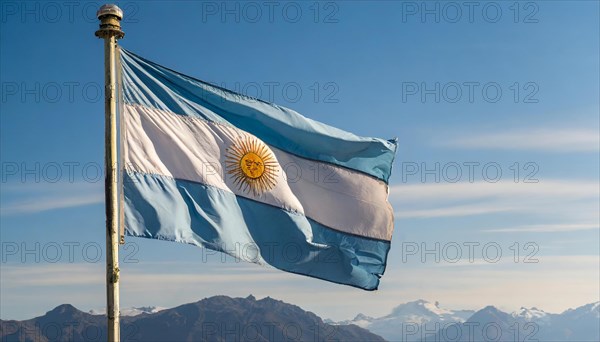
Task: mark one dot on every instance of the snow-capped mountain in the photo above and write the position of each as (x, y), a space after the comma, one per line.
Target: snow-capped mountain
(400, 325)
(425, 321)
(422, 311)
(361, 320)
(487, 324)
(581, 324)
(575, 324)
(132, 311)
(532, 315)
(592, 310)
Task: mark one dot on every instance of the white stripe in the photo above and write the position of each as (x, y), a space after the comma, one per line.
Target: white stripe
(192, 149)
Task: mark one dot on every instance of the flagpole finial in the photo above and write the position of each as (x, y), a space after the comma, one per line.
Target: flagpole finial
(110, 17)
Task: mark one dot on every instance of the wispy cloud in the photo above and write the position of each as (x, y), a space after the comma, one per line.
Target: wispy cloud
(457, 210)
(33, 198)
(541, 262)
(59, 274)
(479, 190)
(545, 228)
(574, 200)
(550, 140)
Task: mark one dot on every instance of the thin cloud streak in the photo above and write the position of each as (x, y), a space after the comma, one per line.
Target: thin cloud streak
(50, 203)
(545, 228)
(504, 189)
(540, 262)
(42, 197)
(574, 201)
(454, 211)
(547, 140)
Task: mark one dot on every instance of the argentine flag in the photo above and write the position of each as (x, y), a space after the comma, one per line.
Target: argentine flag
(213, 168)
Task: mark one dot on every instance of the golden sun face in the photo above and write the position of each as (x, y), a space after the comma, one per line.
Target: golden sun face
(252, 165)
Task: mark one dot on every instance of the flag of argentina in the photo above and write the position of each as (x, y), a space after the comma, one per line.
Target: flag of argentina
(213, 168)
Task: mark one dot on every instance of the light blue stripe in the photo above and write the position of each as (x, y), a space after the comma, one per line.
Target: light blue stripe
(149, 84)
(164, 208)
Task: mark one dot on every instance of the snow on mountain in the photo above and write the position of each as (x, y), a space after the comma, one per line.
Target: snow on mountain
(361, 320)
(422, 311)
(401, 324)
(532, 315)
(540, 316)
(592, 309)
(132, 311)
(419, 320)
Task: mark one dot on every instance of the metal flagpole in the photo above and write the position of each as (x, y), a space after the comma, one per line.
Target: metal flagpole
(110, 30)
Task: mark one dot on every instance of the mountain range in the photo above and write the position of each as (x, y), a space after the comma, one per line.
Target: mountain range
(223, 318)
(424, 321)
(218, 318)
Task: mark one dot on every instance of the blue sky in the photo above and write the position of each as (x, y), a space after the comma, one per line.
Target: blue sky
(373, 68)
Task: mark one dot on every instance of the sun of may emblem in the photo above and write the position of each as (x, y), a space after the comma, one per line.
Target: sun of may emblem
(252, 165)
